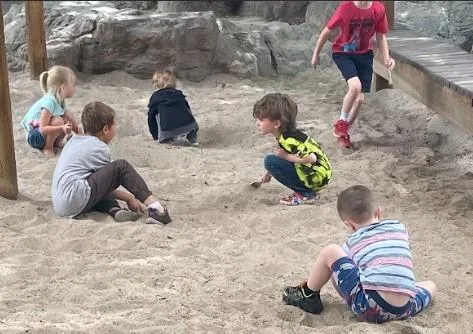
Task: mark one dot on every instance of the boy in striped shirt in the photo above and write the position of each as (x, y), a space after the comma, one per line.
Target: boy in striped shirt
(372, 271)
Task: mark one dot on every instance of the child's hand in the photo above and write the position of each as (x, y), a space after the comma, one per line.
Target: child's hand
(389, 63)
(67, 128)
(134, 205)
(266, 177)
(281, 153)
(315, 60)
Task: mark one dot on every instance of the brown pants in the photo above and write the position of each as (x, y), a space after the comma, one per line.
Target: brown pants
(110, 177)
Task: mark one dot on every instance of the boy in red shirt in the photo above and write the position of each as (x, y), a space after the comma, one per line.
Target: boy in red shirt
(353, 53)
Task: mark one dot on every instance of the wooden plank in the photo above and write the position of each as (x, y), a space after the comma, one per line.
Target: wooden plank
(8, 177)
(444, 98)
(37, 60)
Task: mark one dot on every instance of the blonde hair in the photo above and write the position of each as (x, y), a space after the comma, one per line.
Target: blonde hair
(51, 81)
(164, 79)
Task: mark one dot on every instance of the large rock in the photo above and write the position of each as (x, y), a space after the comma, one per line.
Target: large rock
(97, 38)
(292, 12)
(319, 12)
(143, 5)
(252, 46)
(439, 19)
(140, 44)
(218, 7)
(243, 53)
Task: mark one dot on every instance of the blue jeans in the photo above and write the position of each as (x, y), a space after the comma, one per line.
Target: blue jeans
(285, 172)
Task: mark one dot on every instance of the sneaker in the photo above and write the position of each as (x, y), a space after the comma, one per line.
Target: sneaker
(295, 296)
(344, 142)
(297, 199)
(341, 128)
(124, 215)
(156, 217)
(193, 143)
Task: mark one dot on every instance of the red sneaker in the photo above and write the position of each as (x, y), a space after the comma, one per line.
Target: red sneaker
(344, 142)
(341, 128)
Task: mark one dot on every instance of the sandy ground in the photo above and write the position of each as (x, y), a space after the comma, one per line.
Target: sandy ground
(221, 265)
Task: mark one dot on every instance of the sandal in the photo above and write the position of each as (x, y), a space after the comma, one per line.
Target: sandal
(297, 199)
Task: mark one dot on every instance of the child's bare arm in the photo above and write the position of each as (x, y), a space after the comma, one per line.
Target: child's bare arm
(45, 123)
(122, 195)
(324, 36)
(70, 117)
(382, 43)
(308, 159)
(129, 198)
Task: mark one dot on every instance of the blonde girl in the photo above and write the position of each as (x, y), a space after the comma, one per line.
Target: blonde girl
(169, 114)
(48, 121)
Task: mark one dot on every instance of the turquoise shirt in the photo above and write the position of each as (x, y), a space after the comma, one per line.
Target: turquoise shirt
(49, 102)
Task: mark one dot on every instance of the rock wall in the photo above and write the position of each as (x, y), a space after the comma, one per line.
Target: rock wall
(97, 37)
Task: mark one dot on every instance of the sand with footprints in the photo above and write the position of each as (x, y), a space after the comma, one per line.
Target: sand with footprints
(221, 265)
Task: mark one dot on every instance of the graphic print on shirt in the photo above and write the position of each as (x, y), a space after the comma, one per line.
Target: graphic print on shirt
(357, 28)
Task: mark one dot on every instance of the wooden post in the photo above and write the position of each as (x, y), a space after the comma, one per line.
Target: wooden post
(37, 60)
(8, 179)
(379, 81)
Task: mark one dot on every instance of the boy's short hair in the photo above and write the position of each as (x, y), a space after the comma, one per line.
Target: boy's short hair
(95, 116)
(357, 204)
(277, 106)
(164, 79)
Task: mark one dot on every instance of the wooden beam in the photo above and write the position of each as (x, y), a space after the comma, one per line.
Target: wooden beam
(37, 59)
(450, 102)
(381, 82)
(8, 178)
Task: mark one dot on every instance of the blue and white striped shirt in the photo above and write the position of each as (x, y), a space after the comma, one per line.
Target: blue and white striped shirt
(382, 253)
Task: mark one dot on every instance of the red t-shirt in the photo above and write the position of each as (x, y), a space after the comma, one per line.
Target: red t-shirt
(357, 26)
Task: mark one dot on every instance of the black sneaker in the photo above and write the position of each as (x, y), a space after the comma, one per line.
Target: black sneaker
(154, 216)
(294, 295)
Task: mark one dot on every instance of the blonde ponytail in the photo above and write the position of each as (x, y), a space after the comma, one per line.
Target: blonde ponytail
(43, 81)
(52, 80)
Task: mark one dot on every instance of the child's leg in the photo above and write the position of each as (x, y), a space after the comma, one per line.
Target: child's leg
(285, 172)
(306, 296)
(356, 109)
(347, 67)
(364, 69)
(53, 135)
(322, 270)
(121, 173)
(425, 293)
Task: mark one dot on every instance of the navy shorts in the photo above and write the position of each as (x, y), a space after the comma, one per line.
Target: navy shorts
(368, 304)
(356, 65)
(36, 139)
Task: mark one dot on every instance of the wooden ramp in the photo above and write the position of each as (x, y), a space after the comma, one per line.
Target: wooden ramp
(438, 74)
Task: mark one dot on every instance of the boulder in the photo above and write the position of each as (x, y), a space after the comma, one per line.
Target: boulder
(292, 12)
(141, 44)
(254, 47)
(319, 12)
(143, 5)
(97, 38)
(218, 7)
(439, 19)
